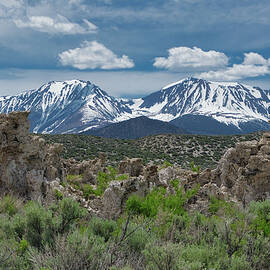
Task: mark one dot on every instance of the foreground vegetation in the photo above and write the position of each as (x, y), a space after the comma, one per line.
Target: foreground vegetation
(155, 232)
(205, 151)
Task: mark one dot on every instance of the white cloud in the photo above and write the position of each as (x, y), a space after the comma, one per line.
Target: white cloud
(213, 65)
(94, 55)
(236, 72)
(254, 59)
(59, 24)
(254, 65)
(192, 58)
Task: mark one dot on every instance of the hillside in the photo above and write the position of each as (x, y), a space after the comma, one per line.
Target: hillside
(180, 149)
(136, 128)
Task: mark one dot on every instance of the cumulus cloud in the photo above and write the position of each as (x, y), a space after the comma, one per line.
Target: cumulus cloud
(191, 58)
(213, 65)
(253, 65)
(94, 55)
(236, 72)
(254, 59)
(59, 24)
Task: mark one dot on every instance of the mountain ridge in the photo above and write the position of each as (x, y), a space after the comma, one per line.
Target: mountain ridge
(76, 106)
(134, 128)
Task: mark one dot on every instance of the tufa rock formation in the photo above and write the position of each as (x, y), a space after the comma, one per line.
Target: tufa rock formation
(26, 164)
(31, 169)
(132, 167)
(244, 171)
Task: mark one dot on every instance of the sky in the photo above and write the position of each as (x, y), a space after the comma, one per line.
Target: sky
(132, 48)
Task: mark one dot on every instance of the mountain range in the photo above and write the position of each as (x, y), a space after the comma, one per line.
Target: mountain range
(187, 106)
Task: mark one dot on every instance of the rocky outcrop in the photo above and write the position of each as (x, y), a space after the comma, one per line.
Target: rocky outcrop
(117, 193)
(88, 169)
(244, 171)
(242, 175)
(132, 167)
(31, 168)
(26, 163)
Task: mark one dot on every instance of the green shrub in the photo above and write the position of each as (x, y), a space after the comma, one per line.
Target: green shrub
(87, 191)
(138, 239)
(162, 257)
(69, 212)
(165, 164)
(9, 205)
(77, 251)
(257, 250)
(194, 168)
(134, 205)
(103, 228)
(73, 177)
(262, 216)
(38, 225)
(122, 177)
(23, 246)
(103, 180)
(158, 199)
(201, 257)
(18, 226)
(58, 194)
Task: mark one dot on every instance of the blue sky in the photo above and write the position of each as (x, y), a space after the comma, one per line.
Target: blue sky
(131, 48)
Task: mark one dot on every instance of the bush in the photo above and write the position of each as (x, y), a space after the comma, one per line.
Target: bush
(69, 212)
(9, 205)
(39, 225)
(166, 164)
(87, 191)
(138, 239)
(78, 251)
(158, 199)
(73, 177)
(103, 180)
(262, 216)
(58, 194)
(103, 228)
(162, 257)
(194, 168)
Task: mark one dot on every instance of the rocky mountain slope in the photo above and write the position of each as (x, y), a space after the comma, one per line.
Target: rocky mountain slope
(199, 106)
(65, 107)
(204, 107)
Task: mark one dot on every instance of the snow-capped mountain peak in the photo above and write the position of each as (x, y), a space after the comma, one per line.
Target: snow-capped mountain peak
(228, 103)
(62, 107)
(75, 106)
